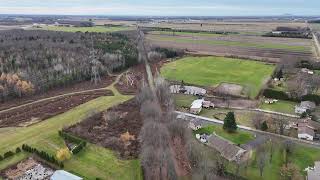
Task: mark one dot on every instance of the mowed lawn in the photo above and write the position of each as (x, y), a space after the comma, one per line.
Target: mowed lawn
(101, 29)
(211, 71)
(287, 107)
(238, 137)
(91, 163)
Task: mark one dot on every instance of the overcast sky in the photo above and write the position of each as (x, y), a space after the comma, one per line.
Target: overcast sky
(162, 7)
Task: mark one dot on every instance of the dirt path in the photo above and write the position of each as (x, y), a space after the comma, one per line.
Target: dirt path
(110, 87)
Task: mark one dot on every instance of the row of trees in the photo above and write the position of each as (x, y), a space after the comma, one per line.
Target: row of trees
(42, 154)
(80, 143)
(9, 154)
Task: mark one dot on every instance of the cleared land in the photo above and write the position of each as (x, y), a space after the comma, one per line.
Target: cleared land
(102, 29)
(211, 71)
(93, 162)
(255, 47)
(33, 113)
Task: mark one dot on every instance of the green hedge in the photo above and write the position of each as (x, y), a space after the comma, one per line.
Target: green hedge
(80, 142)
(43, 155)
(311, 97)
(274, 94)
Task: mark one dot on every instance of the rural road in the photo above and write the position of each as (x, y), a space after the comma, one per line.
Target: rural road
(188, 117)
(110, 87)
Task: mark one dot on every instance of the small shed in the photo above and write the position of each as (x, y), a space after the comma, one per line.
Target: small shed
(64, 175)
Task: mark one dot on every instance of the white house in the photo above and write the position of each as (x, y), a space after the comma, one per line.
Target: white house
(196, 106)
(304, 106)
(64, 175)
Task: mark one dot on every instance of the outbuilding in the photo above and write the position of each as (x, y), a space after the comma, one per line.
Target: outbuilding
(196, 106)
(64, 175)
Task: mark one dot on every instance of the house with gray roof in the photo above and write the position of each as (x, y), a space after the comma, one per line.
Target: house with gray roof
(304, 106)
(227, 149)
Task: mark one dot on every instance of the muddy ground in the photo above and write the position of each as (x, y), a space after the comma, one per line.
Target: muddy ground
(37, 112)
(80, 86)
(107, 132)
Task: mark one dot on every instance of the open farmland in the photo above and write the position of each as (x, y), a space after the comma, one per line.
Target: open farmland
(242, 26)
(255, 47)
(101, 29)
(211, 71)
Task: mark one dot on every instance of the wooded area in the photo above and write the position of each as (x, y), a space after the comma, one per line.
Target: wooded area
(35, 61)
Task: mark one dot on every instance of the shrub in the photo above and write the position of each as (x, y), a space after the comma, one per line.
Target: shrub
(230, 122)
(78, 148)
(18, 150)
(80, 143)
(264, 126)
(1, 158)
(63, 154)
(8, 154)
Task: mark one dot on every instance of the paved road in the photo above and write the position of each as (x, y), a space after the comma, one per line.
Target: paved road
(205, 120)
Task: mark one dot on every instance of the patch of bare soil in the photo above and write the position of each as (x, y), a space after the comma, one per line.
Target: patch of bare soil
(130, 81)
(30, 114)
(27, 169)
(81, 86)
(118, 129)
(233, 102)
(229, 89)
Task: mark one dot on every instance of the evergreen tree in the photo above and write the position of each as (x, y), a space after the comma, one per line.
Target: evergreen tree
(264, 126)
(230, 124)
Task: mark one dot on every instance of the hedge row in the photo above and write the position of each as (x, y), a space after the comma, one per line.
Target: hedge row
(9, 154)
(274, 94)
(70, 137)
(42, 154)
(80, 142)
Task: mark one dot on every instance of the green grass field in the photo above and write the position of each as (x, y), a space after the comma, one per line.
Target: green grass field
(211, 71)
(182, 100)
(100, 29)
(280, 106)
(235, 43)
(93, 162)
(239, 137)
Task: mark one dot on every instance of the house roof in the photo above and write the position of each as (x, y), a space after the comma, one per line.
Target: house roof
(307, 105)
(196, 122)
(64, 175)
(306, 130)
(310, 123)
(227, 149)
(315, 173)
(197, 103)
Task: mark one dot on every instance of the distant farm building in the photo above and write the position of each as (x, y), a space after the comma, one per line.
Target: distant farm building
(64, 175)
(304, 107)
